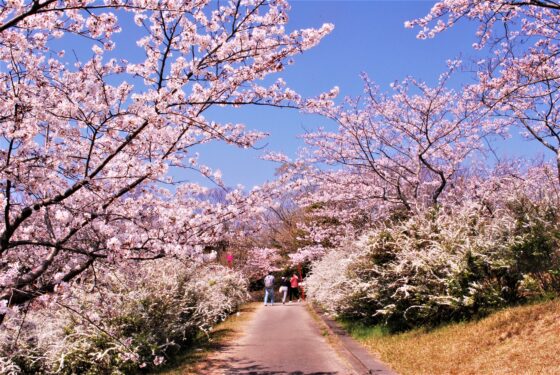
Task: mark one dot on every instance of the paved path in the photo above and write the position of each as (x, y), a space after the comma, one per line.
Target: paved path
(281, 340)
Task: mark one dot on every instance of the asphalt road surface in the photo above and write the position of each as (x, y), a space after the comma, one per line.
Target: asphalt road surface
(281, 340)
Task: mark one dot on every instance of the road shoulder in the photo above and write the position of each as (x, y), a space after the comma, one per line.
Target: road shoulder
(353, 353)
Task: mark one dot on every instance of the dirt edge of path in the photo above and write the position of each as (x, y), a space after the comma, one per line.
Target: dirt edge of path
(351, 351)
(202, 362)
(208, 365)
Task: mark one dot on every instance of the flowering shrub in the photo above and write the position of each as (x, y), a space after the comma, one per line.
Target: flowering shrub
(330, 282)
(441, 265)
(130, 321)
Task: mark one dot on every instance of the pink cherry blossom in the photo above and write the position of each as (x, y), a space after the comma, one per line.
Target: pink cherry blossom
(91, 145)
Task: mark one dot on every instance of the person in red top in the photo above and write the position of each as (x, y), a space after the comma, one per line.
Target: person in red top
(229, 258)
(294, 288)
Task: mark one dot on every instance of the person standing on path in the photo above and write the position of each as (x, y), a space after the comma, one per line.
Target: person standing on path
(229, 258)
(269, 288)
(294, 287)
(284, 287)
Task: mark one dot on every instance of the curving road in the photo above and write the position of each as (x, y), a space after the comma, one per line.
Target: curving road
(281, 340)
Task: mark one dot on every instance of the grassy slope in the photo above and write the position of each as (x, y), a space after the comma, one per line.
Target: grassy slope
(196, 360)
(520, 340)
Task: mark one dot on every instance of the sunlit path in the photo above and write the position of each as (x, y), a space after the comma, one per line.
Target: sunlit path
(280, 339)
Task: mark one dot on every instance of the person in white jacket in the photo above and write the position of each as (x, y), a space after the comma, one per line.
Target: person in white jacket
(269, 288)
(284, 287)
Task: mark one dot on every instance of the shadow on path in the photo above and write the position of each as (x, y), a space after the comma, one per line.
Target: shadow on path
(245, 366)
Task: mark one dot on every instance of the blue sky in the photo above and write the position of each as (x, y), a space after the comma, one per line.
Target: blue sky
(369, 36)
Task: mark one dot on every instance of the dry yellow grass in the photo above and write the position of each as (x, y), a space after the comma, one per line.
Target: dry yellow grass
(521, 340)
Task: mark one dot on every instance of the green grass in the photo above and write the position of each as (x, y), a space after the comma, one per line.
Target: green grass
(361, 331)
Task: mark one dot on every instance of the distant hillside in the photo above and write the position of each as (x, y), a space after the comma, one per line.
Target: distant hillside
(520, 340)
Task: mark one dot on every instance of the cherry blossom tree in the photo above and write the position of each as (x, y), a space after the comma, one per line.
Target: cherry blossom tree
(392, 154)
(518, 72)
(88, 144)
(413, 141)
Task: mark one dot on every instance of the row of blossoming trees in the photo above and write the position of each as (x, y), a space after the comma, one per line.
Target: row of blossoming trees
(403, 211)
(412, 217)
(103, 265)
